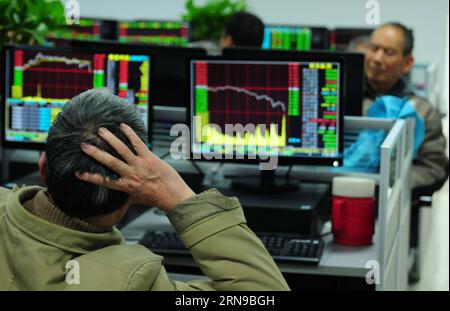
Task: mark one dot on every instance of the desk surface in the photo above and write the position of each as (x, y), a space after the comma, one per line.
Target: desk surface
(336, 259)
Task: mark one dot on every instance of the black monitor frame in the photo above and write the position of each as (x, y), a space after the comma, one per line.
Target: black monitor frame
(354, 76)
(351, 33)
(282, 160)
(8, 49)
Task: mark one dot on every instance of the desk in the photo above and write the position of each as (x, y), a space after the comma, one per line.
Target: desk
(337, 260)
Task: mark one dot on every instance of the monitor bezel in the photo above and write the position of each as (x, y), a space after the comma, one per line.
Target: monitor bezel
(339, 31)
(66, 49)
(282, 160)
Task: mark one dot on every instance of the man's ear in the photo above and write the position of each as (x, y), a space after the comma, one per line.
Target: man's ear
(42, 167)
(409, 62)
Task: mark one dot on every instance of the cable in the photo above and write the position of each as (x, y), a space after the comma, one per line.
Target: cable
(164, 155)
(288, 175)
(219, 167)
(197, 168)
(325, 234)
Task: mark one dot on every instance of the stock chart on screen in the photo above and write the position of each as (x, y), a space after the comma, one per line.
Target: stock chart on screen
(287, 38)
(86, 29)
(172, 33)
(40, 82)
(297, 104)
(295, 38)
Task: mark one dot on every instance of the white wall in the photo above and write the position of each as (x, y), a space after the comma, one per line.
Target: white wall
(426, 17)
(132, 9)
(445, 90)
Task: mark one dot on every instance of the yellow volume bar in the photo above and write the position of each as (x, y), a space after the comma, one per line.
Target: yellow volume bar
(271, 138)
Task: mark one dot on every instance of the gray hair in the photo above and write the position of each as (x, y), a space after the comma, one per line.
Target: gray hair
(408, 36)
(358, 41)
(79, 122)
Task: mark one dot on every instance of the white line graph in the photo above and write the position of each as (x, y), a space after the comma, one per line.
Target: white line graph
(273, 103)
(40, 58)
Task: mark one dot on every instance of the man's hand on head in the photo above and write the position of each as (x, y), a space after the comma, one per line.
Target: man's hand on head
(143, 176)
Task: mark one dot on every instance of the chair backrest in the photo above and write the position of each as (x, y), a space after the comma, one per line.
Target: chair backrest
(430, 189)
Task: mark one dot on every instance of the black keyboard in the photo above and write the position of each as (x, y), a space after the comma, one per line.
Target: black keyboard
(282, 247)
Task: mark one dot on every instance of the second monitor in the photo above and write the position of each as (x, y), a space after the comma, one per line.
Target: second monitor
(290, 109)
(295, 37)
(39, 81)
(173, 33)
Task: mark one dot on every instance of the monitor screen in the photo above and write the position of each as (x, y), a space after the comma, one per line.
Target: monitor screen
(294, 106)
(341, 37)
(39, 81)
(87, 29)
(353, 78)
(174, 33)
(298, 38)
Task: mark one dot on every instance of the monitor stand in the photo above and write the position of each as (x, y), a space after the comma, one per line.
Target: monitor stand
(267, 182)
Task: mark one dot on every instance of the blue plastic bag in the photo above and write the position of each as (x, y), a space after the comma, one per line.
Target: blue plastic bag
(399, 108)
(364, 153)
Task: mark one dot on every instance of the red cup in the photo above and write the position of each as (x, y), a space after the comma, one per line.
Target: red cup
(353, 211)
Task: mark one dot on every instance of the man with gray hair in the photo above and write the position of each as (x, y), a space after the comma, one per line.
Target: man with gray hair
(63, 237)
(388, 59)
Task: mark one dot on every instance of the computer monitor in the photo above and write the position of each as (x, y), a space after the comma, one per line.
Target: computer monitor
(295, 37)
(161, 32)
(341, 37)
(353, 78)
(169, 77)
(38, 82)
(294, 106)
(87, 29)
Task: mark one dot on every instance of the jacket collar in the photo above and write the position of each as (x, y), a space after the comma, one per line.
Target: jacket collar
(43, 207)
(399, 89)
(50, 233)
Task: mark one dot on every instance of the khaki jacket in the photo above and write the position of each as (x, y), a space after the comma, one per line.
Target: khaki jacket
(34, 253)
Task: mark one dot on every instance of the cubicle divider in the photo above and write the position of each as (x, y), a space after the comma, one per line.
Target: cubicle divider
(394, 205)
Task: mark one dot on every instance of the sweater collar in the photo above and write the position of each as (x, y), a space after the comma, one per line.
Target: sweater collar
(49, 225)
(43, 207)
